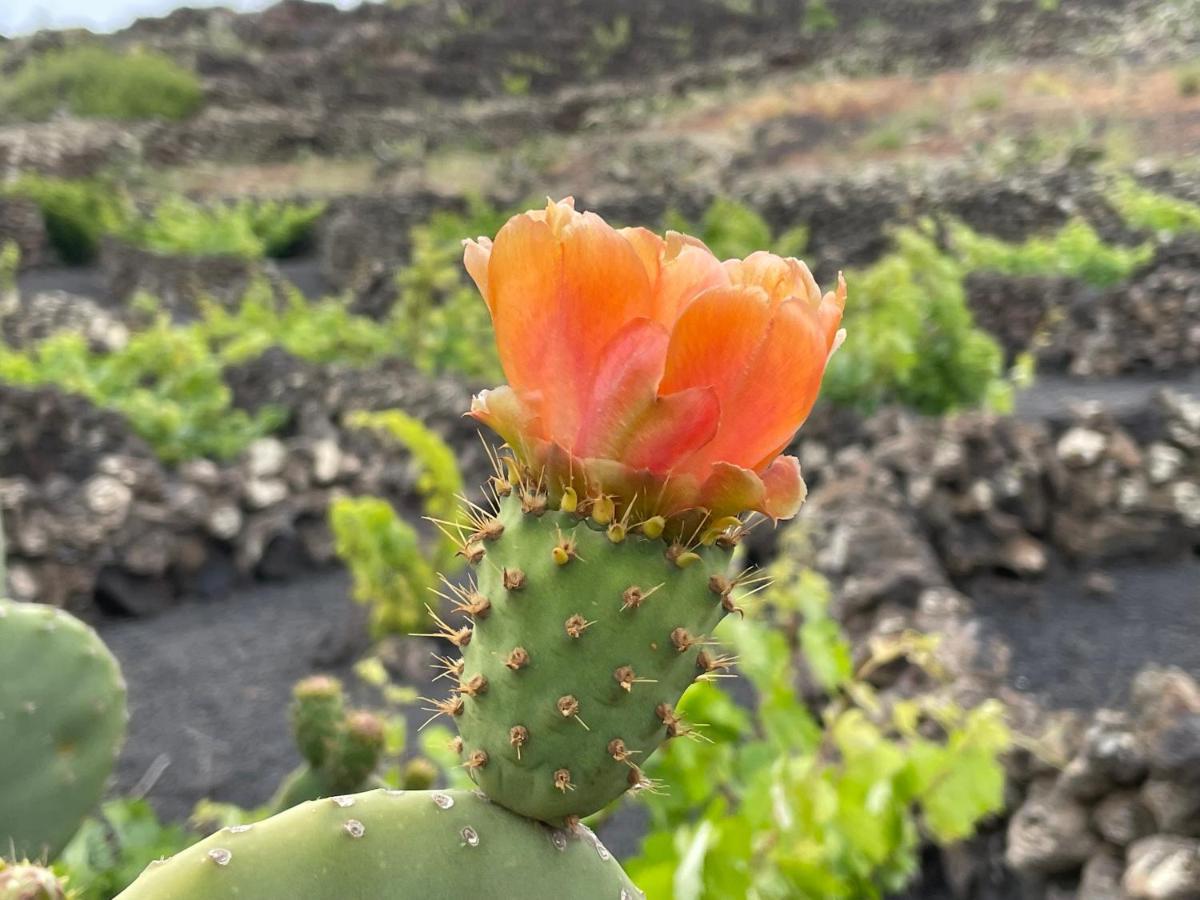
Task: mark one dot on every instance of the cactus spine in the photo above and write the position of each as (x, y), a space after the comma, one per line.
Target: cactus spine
(430, 844)
(62, 720)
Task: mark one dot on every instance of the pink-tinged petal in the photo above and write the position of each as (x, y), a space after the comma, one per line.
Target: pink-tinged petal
(674, 427)
(833, 304)
(476, 255)
(784, 488)
(731, 489)
(775, 391)
(624, 387)
(713, 341)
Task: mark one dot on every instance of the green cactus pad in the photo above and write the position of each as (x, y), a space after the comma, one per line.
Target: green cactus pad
(571, 673)
(435, 845)
(62, 720)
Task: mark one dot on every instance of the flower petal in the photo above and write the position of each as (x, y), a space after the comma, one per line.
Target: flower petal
(784, 488)
(476, 255)
(730, 490)
(714, 339)
(776, 390)
(561, 289)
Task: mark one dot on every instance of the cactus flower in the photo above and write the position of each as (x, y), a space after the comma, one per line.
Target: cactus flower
(643, 369)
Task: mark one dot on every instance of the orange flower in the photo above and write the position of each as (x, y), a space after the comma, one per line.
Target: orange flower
(645, 369)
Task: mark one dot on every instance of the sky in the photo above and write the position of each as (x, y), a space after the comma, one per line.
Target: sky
(24, 16)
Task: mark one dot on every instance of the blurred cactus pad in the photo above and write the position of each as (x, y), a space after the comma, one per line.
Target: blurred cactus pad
(428, 844)
(62, 721)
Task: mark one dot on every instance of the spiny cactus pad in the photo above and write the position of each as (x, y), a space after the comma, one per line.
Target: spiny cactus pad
(446, 845)
(62, 720)
(584, 637)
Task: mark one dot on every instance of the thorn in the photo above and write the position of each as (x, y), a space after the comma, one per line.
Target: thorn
(451, 668)
(572, 823)
(518, 658)
(666, 715)
(719, 585)
(576, 625)
(459, 637)
(624, 676)
(477, 760)
(451, 706)
(681, 638)
(533, 503)
(456, 745)
(569, 707)
(473, 686)
(518, 736)
(729, 606)
(718, 528)
(489, 530)
(714, 663)
(634, 596)
(472, 551)
(562, 780)
(618, 751)
(514, 579)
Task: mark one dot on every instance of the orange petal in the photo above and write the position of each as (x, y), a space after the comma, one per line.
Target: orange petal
(476, 254)
(649, 248)
(784, 488)
(513, 418)
(714, 340)
(780, 277)
(684, 276)
(560, 291)
(774, 392)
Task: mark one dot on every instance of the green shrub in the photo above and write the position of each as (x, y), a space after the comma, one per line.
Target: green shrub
(1151, 211)
(77, 213)
(110, 851)
(322, 331)
(249, 229)
(733, 230)
(1188, 80)
(1075, 250)
(779, 803)
(394, 571)
(166, 381)
(911, 337)
(440, 320)
(94, 82)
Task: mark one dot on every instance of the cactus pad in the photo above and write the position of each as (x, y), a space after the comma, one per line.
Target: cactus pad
(445, 845)
(62, 720)
(584, 637)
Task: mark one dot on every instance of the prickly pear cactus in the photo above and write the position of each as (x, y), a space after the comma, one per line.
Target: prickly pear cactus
(62, 720)
(28, 881)
(341, 749)
(584, 636)
(390, 844)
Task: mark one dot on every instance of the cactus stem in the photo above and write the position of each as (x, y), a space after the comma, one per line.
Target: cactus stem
(518, 658)
(576, 625)
(562, 780)
(514, 579)
(518, 736)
